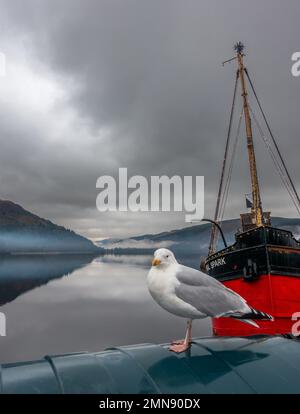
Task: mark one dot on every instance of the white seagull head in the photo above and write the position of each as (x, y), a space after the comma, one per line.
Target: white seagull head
(163, 257)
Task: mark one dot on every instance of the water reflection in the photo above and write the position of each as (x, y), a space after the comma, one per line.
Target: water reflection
(103, 302)
(145, 259)
(21, 273)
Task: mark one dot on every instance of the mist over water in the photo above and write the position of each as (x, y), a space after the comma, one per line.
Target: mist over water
(57, 304)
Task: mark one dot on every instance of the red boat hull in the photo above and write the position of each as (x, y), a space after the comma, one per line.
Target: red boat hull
(277, 295)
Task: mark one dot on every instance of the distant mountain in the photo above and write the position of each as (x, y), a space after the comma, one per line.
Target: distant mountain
(189, 240)
(22, 231)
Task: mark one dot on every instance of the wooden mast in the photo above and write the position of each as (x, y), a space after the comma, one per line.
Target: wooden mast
(257, 213)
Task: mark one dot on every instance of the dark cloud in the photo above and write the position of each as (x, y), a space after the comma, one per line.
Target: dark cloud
(138, 84)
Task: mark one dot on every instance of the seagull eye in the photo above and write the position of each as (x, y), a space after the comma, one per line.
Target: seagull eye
(167, 256)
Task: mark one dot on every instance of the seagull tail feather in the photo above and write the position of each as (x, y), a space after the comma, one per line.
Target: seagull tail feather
(256, 314)
(249, 317)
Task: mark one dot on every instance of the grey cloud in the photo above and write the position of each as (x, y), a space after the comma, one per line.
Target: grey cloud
(149, 74)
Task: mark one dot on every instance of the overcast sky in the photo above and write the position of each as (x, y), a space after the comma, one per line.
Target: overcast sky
(95, 85)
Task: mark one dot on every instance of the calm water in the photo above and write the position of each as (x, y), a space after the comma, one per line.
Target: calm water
(60, 304)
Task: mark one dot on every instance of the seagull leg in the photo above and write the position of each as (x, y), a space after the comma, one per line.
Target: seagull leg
(181, 346)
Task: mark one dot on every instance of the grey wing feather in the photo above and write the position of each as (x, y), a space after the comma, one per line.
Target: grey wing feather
(207, 294)
(194, 277)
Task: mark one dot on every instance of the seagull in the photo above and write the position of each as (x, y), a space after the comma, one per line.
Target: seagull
(192, 294)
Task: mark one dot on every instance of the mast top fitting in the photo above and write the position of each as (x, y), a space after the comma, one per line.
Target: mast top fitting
(239, 47)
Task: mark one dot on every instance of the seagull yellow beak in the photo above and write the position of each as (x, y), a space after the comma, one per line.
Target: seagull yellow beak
(156, 262)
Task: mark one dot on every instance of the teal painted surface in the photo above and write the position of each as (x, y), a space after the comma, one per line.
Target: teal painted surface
(213, 365)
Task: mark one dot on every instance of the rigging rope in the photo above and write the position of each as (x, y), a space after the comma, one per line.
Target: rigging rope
(274, 142)
(214, 229)
(275, 155)
(275, 160)
(228, 181)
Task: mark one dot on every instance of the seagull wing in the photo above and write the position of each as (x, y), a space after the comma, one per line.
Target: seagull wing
(206, 294)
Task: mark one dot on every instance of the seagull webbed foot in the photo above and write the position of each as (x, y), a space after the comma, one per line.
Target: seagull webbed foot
(179, 346)
(177, 342)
